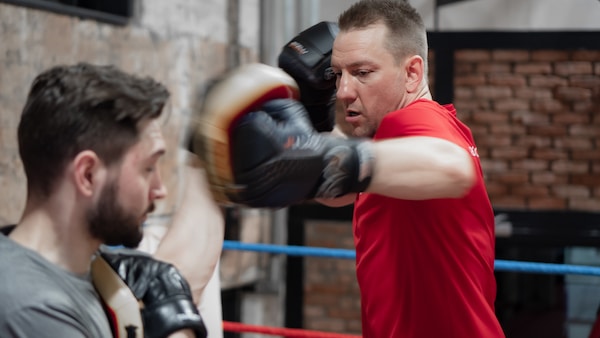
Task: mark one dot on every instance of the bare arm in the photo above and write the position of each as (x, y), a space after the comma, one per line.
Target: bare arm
(183, 334)
(417, 168)
(194, 240)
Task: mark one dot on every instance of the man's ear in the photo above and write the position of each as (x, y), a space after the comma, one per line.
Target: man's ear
(88, 172)
(415, 68)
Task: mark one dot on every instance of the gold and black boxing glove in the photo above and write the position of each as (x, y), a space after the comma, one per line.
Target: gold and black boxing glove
(239, 91)
(260, 149)
(164, 296)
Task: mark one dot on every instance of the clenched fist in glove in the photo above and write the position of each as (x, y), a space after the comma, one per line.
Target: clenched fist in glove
(279, 159)
(164, 295)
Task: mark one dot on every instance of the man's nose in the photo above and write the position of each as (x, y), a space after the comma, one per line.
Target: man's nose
(159, 190)
(345, 91)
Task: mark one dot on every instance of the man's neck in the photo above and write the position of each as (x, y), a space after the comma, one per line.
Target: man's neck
(53, 233)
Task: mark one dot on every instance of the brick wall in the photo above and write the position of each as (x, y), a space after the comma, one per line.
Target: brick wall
(331, 298)
(180, 43)
(535, 116)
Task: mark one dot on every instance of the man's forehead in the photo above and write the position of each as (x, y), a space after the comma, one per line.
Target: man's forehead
(152, 136)
(152, 130)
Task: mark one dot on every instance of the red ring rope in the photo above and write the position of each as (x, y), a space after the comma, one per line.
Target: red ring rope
(288, 333)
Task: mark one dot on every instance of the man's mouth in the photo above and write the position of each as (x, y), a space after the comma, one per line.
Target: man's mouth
(150, 209)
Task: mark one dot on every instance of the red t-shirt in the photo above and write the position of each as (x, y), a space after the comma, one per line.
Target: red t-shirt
(426, 268)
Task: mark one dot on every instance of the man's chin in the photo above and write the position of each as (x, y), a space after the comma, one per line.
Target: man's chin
(131, 240)
(134, 242)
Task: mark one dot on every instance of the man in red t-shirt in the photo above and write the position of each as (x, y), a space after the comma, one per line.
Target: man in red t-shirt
(424, 227)
(426, 267)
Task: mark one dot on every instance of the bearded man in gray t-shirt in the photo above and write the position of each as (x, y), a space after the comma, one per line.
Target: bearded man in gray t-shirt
(90, 142)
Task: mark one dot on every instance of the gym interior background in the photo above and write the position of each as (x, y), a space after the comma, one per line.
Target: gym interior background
(524, 75)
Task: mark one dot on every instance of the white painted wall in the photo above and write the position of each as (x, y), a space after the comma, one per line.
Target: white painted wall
(509, 15)
(520, 15)
(285, 18)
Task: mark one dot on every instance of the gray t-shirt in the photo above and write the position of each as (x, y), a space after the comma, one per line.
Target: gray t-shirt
(38, 299)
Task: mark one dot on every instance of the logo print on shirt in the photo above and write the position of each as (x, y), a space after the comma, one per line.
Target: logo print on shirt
(473, 151)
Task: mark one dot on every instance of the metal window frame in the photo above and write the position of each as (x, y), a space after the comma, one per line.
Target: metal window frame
(105, 16)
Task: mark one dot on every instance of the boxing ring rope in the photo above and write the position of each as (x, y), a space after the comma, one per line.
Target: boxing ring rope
(500, 265)
(288, 333)
(291, 250)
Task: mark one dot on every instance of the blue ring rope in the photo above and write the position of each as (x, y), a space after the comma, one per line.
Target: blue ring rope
(500, 265)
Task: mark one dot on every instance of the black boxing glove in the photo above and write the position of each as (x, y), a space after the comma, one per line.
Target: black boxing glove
(307, 58)
(166, 296)
(279, 159)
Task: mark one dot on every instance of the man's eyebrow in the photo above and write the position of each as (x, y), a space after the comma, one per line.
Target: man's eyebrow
(360, 64)
(158, 153)
(356, 64)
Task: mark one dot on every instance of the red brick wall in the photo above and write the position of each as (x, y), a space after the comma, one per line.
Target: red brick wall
(331, 298)
(536, 120)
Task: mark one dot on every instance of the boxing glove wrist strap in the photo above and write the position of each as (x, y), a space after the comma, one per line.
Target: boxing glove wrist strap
(348, 168)
(366, 160)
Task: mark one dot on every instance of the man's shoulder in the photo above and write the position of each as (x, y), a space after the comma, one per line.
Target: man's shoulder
(27, 275)
(23, 275)
(25, 292)
(9, 250)
(44, 309)
(13, 254)
(425, 104)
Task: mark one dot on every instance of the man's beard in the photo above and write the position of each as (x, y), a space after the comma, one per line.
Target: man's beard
(111, 223)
